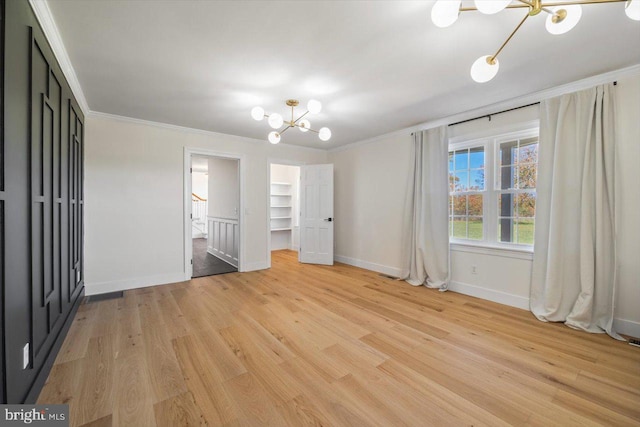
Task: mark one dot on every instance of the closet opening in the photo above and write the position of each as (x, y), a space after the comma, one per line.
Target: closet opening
(284, 207)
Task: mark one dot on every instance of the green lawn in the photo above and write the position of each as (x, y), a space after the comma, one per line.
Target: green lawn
(523, 228)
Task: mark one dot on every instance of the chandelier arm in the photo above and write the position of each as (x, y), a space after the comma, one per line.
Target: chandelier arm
(298, 119)
(508, 39)
(284, 130)
(511, 6)
(569, 3)
(525, 3)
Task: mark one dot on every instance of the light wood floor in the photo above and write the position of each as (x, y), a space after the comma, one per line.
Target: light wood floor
(310, 345)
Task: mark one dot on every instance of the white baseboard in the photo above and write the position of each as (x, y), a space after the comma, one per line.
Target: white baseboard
(490, 294)
(384, 269)
(126, 284)
(627, 327)
(222, 258)
(255, 266)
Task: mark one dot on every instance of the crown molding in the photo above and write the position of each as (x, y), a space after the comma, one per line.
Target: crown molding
(184, 129)
(586, 83)
(48, 24)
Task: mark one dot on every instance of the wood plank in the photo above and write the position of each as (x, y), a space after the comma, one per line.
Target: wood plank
(180, 410)
(133, 403)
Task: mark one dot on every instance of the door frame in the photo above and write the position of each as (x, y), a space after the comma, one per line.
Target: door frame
(275, 161)
(187, 242)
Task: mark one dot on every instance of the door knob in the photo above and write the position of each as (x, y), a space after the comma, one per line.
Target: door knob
(328, 219)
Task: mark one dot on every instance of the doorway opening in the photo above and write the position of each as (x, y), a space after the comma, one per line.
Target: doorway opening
(284, 207)
(215, 199)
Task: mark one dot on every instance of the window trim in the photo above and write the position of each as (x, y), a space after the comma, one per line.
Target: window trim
(491, 143)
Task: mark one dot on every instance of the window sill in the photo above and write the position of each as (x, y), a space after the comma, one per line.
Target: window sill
(501, 251)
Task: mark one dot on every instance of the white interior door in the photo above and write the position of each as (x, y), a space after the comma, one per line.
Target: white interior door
(316, 214)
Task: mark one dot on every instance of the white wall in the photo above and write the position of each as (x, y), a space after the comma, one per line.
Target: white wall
(134, 199)
(199, 184)
(224, 188)
(369, 197)
(371, 182)
(628, 205)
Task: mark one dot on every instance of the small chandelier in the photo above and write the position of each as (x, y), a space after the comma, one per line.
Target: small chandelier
(276, 121)
(562, 16)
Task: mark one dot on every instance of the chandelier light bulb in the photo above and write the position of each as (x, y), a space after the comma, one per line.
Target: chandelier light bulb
(274, 137)
(275, 121)
(564, 18)
(304, 125)
(490, 7)
(484, 69)
(314, 106)
(632, 9)
(445, 12)
(324, 134)
(257, 113)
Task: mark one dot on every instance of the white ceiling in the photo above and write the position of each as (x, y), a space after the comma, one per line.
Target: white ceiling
(377, 66)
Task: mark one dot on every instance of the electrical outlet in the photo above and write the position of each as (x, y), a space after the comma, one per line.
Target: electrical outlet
(474, 269)
(25, 356)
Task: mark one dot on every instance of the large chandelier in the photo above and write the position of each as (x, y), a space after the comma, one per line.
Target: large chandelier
(276, 121)
(562, 16)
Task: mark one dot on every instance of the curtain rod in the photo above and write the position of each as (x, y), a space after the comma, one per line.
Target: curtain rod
(493, 114)
(615, 83)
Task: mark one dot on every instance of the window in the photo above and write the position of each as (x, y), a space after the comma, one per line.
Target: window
(466, 187)
(492, 189)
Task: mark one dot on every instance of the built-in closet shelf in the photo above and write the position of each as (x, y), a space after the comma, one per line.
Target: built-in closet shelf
(281, 207)
(281, 229)
(280, 195)
(281, 183)
(280, 217)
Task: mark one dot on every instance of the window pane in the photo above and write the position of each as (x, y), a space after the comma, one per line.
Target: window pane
(462, 160)
(527, 174)
(475, 228)
(452, 182)
(459, 205)
(475, 205)
(459, 227)
(507, 204)
(507, 177)
(525, 231)
(528, 152)
(477, 179)
(477, 157)
(526, 205)
(461, 181)
(507, 154)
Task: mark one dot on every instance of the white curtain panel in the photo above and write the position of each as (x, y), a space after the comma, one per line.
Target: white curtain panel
(426, 224)
(574, 265)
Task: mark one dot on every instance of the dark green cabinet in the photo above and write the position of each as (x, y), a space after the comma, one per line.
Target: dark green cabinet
(41, 205)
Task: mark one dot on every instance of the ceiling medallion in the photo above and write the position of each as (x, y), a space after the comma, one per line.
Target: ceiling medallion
(276, 121)
(562, 16)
